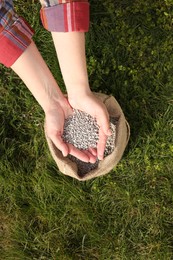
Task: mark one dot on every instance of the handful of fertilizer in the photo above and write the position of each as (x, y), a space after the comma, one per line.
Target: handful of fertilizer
(81, 130)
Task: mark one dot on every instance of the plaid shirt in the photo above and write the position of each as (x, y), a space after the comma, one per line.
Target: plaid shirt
(56, 15)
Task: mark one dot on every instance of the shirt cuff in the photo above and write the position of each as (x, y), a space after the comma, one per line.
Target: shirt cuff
(68, 17)
(14, 41)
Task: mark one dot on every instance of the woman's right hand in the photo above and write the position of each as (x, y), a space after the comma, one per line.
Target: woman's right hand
(90, 104)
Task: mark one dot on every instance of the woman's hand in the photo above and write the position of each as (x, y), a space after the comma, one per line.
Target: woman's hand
(34, 72)
(54, 124)
(70, 48)
(90, 104)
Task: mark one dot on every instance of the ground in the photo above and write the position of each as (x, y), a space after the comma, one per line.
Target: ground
(127, 214)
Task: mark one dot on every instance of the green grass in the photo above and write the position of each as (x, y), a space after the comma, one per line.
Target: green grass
(127, 214)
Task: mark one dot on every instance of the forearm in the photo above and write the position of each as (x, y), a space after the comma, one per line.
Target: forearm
(68, 20)
(70, 48)
(32, 69)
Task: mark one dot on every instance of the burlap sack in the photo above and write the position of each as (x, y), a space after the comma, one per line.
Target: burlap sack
(67, 167)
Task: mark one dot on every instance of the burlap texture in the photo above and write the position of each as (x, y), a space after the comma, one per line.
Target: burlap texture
(67, 167)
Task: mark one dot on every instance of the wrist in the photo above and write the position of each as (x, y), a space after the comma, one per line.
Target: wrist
(60, 104)
(53, 103)
(78, 91)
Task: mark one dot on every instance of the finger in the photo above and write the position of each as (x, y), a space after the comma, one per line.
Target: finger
(92, 158)
(81, 155)
(93, 151)
(101, 144)
(60, 144)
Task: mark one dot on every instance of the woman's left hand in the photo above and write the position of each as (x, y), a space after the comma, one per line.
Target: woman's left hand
(54, 124)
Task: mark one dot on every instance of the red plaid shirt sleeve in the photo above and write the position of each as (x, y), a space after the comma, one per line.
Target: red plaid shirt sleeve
(15, 34)
(56, 15)
(65, 15)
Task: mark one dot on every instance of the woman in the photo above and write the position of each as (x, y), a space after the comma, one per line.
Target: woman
(67, 21)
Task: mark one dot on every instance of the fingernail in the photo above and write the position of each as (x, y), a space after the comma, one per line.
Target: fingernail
(64, 154)
(109, 132)
(100, 157)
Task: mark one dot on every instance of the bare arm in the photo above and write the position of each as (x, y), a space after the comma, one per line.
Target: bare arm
(70, 48)
(34, 72)
(32, 69)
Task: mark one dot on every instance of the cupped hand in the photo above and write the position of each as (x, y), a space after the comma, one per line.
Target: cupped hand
(54, 125)
(90, 104)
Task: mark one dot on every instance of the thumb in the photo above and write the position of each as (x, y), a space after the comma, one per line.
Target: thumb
(56, 138)
(104, 124)
(60, 144)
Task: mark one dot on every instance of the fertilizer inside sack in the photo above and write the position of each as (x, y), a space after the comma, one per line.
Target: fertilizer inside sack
(82, 131)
